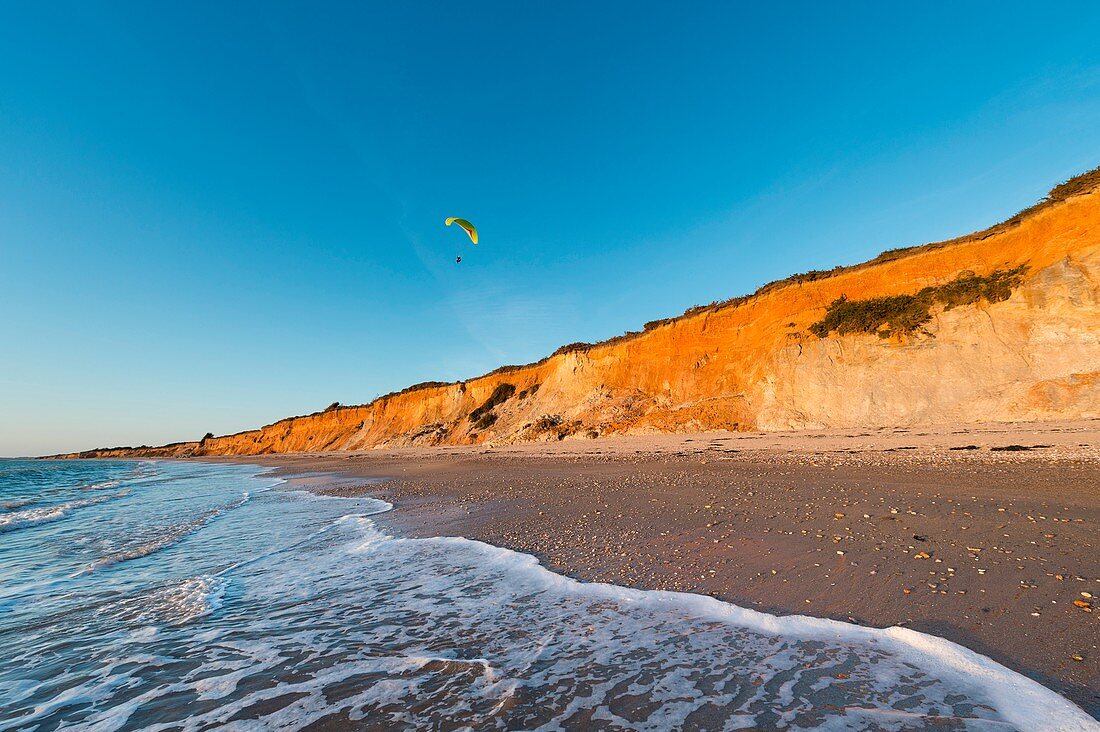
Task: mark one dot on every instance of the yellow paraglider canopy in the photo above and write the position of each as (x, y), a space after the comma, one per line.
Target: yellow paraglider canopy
(465, 225)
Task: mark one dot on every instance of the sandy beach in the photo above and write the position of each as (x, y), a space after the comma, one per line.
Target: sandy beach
(986, 536)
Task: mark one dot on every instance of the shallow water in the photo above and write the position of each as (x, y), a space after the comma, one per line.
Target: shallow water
(161, 595)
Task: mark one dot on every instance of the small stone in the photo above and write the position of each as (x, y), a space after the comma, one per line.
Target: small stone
(1081, 604)
(921, 555)
(1077, 657)
(1086, 595)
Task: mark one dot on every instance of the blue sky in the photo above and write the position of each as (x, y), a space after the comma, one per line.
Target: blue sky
(212, 217)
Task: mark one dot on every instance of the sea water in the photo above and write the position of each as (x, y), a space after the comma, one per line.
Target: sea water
(169, 595)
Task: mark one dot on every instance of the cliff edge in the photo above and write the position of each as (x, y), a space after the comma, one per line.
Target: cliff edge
(1001, 325)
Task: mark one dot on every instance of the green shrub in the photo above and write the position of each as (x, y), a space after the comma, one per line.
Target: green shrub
(901, 312)
(485, 421)
(908, 313)
(501, 394)
(571, 347)
(968, 288)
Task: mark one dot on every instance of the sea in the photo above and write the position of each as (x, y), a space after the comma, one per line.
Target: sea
(162, 595)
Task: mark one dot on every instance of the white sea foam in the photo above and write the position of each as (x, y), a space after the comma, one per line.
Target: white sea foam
(375, 505)
(176, 603)
(101, 485)
(33, 516)
(303, 620)
(409, 632)
(191, 599)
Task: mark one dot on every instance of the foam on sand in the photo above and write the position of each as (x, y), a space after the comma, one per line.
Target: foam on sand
(357, 625)
(277, 609)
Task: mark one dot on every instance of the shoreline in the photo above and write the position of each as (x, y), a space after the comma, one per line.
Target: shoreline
(905, 527)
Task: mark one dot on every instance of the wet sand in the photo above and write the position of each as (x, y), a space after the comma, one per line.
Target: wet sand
(941, 530)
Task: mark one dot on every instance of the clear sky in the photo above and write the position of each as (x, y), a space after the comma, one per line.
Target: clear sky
(214, 215)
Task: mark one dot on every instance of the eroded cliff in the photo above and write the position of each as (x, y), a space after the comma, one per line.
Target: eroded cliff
(1002, 325)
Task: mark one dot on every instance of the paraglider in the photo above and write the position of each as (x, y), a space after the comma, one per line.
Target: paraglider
(470, 230)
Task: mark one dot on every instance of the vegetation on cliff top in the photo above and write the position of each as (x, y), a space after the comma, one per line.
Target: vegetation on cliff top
(886, 316)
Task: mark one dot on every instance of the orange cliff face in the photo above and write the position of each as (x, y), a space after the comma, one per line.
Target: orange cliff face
(1030, 353)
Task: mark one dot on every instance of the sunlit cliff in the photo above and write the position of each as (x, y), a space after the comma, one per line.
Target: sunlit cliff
(1001, 325)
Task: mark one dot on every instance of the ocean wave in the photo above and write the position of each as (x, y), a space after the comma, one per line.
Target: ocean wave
(165, 537)
(178, 603)
(893, 658)
(101, 485)
(189, 600)
(357, 521)
(35, 516)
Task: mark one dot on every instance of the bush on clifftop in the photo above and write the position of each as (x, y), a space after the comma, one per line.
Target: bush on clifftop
(885, 316)
(501, 394)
